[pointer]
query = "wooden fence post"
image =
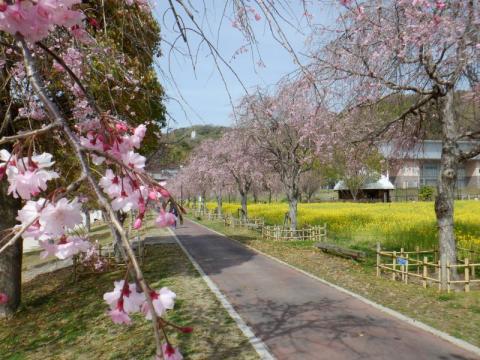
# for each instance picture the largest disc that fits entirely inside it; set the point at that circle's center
(417, 250)
(439, 275)
(467, 275)
(425, 272)
(406, 268)
(402, 267)
(394, 266)
(443, 272)
(378, 259)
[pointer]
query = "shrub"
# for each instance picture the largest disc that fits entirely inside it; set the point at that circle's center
(425, 193)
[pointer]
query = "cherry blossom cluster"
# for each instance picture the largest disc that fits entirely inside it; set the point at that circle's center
(27, 176)
(91, 257)
(35, 19)
(127, 187)
(47, 221)
(126, 299)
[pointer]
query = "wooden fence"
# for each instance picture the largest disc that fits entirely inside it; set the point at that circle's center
(315, 233)
(425, 267)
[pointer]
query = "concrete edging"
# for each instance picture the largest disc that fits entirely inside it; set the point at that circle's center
(443, 335)
(259, 346)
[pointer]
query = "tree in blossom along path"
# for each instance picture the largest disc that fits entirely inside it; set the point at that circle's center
(92, 137)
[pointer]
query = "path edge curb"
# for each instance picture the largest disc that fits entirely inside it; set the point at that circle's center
(259, 346)
(417, 323)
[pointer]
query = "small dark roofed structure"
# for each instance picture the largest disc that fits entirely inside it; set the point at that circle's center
(378, 191)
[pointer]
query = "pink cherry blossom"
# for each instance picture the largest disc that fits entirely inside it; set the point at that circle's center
(111, 183)
(138, 135)
(165, 219)
(3, 298)
(60, 217)
(137, 224)
(131, 297)
(24, 184)
(35, 20)
(134, 160)
(170, 353)
(27, 176)
(162, 300)
(49, 248)
(119, 316)
(126, 202)
(72, 246)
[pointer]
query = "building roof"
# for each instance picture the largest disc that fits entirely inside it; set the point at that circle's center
(381, 184)
(426, 150)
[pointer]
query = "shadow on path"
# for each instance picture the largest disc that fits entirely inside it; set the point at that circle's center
(300, 318)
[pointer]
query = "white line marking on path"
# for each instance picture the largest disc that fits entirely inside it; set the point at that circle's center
(443, 335)
(259, 346)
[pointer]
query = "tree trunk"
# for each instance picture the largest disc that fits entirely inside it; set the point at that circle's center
(269, 196)
(354, 195)
(11, 258)
(243, 196)
(444, 202)
(219, 204)
(292, 210)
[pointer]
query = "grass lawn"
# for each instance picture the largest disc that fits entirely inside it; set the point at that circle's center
(62, 320)
(455, 313)
(361, 225)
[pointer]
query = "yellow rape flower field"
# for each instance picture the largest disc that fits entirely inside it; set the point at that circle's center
(361, 225)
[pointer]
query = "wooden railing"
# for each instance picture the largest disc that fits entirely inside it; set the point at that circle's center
(424, 266)
(314, 233)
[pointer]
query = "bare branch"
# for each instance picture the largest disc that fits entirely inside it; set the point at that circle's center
(24, 135)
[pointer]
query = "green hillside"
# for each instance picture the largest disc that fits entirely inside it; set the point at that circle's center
(176, 145)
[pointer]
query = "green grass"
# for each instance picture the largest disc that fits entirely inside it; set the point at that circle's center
(62, 320)
(361, 225)
(455, 313)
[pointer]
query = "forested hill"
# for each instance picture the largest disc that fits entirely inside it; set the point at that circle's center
(176, 145)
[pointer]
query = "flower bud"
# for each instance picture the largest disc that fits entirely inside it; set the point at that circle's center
(138, 224)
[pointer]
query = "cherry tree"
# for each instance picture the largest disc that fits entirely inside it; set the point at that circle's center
(310, 183)
(202, 174)
(289, 130)
(237, 157)
(428, 49)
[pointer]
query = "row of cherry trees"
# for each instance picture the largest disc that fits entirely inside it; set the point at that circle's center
(283, 142)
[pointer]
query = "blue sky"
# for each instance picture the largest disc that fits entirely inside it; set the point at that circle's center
(205, 98)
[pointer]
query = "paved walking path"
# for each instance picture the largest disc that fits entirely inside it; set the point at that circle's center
(298, 317)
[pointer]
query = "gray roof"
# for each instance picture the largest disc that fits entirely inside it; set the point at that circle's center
(427, 150)
(381, 184)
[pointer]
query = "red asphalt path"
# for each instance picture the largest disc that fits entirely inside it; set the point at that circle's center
(298, 317)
